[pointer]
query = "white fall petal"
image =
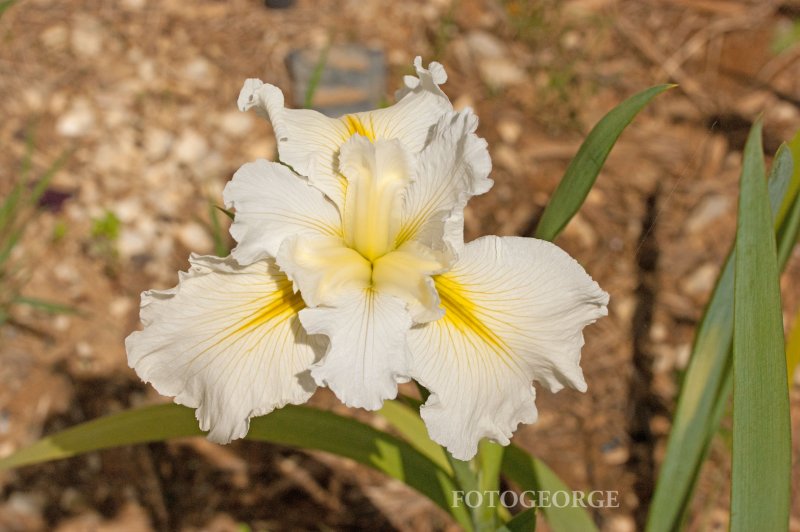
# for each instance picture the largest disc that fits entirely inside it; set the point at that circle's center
(515, 309)
(368, 355)
(309, 141)
(227, 341)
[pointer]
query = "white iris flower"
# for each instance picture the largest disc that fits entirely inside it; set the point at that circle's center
(351, 272)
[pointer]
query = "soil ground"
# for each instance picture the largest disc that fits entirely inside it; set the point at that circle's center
(142, 94)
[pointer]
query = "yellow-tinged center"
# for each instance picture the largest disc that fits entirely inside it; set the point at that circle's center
(368, 254)
(377, 175)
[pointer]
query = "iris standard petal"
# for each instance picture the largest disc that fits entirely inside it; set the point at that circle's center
(226, 341)
(309, 141)
(452, 168)
(420, 103)
(515, 309)
(273, 203)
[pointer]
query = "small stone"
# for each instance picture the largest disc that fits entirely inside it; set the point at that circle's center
(701, 281)
(61, 323)
(615, 454)
(133, 5)
(128, 210)
(236, 123)
(658, 333)
(77, 121)
(26, 503)
(120, 307)
(84, 350)
(509, 131)
(195, 237)
(157, 143)
(55, 37)
(508, 158)
(198, 71)
(485, 45)
(620, 523)
(581, 230)
(131, 243)
(660, 425)
(66, 273)
(87, 36)
(706, 212)
(191, 147)
(500, 72)
(623, 307)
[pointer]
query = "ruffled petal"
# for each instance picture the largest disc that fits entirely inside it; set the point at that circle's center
(308, 141)
(273, 203)
(515, 309)
(420, 103)
(367, 355)
(452, 168)
(227, 341)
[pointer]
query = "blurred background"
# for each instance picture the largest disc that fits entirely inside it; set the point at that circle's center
(124, 114)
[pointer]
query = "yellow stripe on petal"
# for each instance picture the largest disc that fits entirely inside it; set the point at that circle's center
(282, 305)
(355, 126)
(464, 315)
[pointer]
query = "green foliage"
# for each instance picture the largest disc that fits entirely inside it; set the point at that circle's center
(221, 248)
(708, 380)
(316, 77)
(532, 474)
(786, 37)
(295, 426)
(5, 4)
(16, 212)
(761, 483)
(106, 227)
(584, 168)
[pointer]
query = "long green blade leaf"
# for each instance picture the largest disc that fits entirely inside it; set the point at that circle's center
(409, 424)
(532, 474)
(584, 168)
(761, 484)
(708, 380)
(522, 522)
(298, 426)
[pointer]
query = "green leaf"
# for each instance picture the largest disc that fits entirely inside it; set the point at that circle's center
(524, 521)
(225, 211)
(46, 306)
(761, 476)
(296, 426)
(405, 418)
(584, 168)
(407, 421)
(489, 461)
(217, 234)
(708, 380)
(5, 4)
(532, 474)
(316, 77)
